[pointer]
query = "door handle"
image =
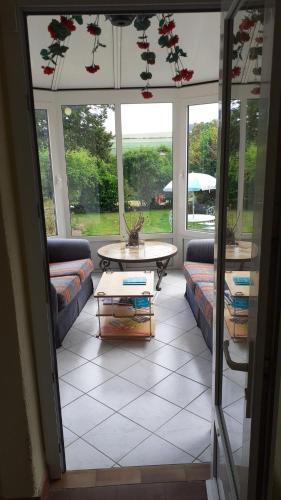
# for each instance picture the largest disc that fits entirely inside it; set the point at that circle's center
(233, 365)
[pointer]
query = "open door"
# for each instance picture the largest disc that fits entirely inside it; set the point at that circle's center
(247, 251)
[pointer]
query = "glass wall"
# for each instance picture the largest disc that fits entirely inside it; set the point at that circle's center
(148, 165)
(47, 183)
(91, 167)
(202, 137)
(252, 118)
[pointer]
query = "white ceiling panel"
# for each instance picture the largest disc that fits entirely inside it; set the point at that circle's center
(120, 62)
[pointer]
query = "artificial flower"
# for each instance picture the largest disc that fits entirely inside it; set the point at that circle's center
(259, 39)
(143, 45)
(256, 91)
(236, 71)
(147, 94)
(167, 28)
(246, 24)
(67, 23)
(48, 70)
(173, 41)
(93, 68)
(52, 31)
(186, 74)
(94, 29)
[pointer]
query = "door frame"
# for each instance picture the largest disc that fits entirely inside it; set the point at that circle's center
(266, 364)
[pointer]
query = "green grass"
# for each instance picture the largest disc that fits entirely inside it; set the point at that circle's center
(156, 221)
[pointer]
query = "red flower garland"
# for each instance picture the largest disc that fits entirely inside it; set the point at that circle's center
(142, 23)
(95, 30)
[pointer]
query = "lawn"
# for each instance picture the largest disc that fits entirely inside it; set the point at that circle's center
(156, 221)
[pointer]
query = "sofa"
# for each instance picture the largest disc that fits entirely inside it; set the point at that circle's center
(199, 275)
(70, 268)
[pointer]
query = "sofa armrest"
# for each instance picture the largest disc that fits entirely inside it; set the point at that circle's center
(200, 251)
(63, 249)
(54, 304)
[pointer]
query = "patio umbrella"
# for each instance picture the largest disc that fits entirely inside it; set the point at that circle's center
(196, 182)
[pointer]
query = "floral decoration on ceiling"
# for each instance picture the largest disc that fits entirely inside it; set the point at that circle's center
(61, 30)
(250, 31)
(169, 40)
(142, 23)
(95, 30)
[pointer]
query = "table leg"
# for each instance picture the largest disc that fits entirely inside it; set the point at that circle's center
(161, 271)
(104, 264)
(120, 266)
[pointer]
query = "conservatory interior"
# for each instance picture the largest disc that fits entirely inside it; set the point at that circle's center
(126, 113)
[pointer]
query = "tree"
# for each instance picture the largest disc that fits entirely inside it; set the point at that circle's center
(84, 128)
(202, 148)
(146, 172)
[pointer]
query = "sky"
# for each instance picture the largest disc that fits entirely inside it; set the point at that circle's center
(156, 117)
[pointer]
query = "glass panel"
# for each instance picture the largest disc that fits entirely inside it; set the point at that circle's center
(250, 164)
(91, 167)
(241, 263)
(201, 166)
(148, 165)
(47, 183)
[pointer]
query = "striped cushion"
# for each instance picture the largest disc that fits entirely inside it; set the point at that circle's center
(66, 288)
(81, 268)
(204, 296)
(196, 272)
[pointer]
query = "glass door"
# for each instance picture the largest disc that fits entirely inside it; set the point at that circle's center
(240, 250)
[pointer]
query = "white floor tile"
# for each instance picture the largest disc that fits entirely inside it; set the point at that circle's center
(184, 320)
(206, 355)
(237, 410)
(188, 432)
(67, 361)
(80, 455)
(68, 393)
(167, 333)
(198, 369)
(238, 378)
(116, 437)
(161, 314)
(91, 348)
(175, 305)
(89, 325)
(87, 377)
(202, 406)
(68, 437)
(142, 347)
(116, 360)
(73, 337)
(155, 451)
(235, 432)
(91, 307)
(145, 374)
(191, 341)
(150, 411)
(170, 357)
(178, 389)
(83, 414)
(206, 456)
(116, 393)
(83, 316)
(231, 392)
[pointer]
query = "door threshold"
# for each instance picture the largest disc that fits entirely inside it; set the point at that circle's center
(91, 478)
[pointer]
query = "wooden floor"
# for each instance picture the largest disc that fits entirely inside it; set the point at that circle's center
(193, 490)
(174, 482)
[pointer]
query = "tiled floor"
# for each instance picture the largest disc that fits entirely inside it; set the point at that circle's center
(133, 402)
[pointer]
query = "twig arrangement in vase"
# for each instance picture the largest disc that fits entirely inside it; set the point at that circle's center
(133, 228)
(230, 232)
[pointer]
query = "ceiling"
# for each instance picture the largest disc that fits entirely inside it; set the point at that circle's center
(120, 62)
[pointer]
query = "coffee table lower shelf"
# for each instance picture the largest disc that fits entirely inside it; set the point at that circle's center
(124, 328)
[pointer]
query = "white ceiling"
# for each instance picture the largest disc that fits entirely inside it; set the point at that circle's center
(120, 62)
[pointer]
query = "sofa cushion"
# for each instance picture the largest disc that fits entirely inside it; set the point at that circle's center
(204, 296)
(198, 272)
(81, 268)
(66, 287)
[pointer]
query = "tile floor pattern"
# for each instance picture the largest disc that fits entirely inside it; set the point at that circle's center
(138, 402)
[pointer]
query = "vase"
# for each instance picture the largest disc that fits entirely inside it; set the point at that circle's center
(133, 240)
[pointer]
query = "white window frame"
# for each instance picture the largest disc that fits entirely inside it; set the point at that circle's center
(180, 100)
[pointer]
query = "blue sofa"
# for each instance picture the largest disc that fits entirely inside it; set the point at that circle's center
(70, 267)
(199, 275)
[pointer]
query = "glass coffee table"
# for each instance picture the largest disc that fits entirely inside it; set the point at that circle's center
(149, 251)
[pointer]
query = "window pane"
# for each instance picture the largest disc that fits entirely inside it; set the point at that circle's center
(233, 215)
(46, 173)
(250, 164)
(201, 166)
(147, 164)
(90, 152)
